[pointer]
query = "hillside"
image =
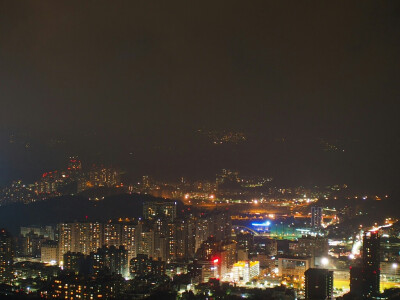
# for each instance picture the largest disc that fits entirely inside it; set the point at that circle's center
(72, 208)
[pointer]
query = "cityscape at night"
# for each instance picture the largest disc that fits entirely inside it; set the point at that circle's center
(199, 150)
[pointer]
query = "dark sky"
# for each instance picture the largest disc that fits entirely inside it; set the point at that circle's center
(112, 77)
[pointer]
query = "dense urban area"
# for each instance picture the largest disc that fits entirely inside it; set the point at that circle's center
(199, 150)
(231, 238)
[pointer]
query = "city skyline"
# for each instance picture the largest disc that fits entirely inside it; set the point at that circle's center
(196, 150)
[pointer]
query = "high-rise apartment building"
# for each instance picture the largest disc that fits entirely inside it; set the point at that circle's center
(227, 257)
(316, 217)
(82, 237)
(371, 263)
(6, 256)
(318, 284)
(111, 259)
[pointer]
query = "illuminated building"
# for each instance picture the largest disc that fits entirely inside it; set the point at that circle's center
(310, 246)
(143, 265)
(101, 176)
(49, 252)
(111, 259)
(85, 237)
(254, 269)
(6, 256)
(65, 240)
(145, 243)
(171, 241)
(112, 234)
(153, 210)
(97, 176)
(244, 271)
(209, 270)
(161, 234)
(48, 185)
(318, 284)
(30, 244)
(371, 263)
(128, 239)
(293, 268)
(74, 261)
(85, 288)
(96, 239)
(17, 192)
(208, 249)
(227, 257)
(45, 231)
(316, 217)
(202, 231)
(185, 238)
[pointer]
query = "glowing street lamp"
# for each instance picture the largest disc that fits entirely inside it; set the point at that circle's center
(324, 261)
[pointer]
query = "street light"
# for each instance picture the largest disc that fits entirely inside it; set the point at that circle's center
(324, 261)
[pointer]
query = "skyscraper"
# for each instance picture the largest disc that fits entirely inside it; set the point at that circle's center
(227, 257)
(316, 217)
(318, 284)
(356, 280)
(84, 237)
(128, 239)
(111, 259)
(371, 264)
(6, 256)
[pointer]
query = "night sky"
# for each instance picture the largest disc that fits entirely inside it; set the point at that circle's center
(103, 79)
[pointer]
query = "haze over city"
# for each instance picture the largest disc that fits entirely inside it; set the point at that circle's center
(103, 82)
(182, 150)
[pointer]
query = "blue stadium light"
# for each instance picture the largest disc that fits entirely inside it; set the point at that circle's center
(266, 223)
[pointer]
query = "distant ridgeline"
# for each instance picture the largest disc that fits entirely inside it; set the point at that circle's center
(74, 208)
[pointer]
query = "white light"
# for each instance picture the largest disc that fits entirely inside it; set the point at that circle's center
(395, 266)
(324, 261)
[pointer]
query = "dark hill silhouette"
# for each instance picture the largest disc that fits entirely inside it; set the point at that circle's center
(100, 192)
(73, 208)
